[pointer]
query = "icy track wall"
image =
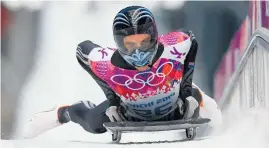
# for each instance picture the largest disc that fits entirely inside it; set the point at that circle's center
(245, 101)
(242, 79)
(248, 86)
(241, 83)
(258, 16)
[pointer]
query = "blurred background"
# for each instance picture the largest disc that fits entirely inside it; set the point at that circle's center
(39, 39)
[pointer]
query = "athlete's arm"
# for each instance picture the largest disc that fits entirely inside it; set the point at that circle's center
(189, 63)
(83, 50)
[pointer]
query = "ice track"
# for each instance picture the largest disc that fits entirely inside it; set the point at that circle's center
(58, 79)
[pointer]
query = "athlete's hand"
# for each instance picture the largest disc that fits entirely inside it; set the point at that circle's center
(113, 114)
(190, 105)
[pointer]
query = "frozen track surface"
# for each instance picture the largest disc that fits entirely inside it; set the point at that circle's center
(59, 79)
(249, 129)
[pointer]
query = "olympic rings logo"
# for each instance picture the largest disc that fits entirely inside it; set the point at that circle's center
(143, 83)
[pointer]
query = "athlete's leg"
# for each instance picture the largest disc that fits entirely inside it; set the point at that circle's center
(84, 113)
(90, 117)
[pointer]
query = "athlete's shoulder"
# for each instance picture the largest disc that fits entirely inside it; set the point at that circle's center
(176, 45)
(87, 46)
(173, 38)
(95, 52)
(101, 54)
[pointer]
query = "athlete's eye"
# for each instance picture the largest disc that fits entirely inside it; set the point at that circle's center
(130, 45)
(145, 43)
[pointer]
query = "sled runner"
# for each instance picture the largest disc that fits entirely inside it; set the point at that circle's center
(190, 125)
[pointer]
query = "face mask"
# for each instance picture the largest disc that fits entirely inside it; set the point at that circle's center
(139, 58)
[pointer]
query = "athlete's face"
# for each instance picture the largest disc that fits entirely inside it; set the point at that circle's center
(137, 41)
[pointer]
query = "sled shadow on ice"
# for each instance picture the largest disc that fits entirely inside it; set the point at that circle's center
(143, 142)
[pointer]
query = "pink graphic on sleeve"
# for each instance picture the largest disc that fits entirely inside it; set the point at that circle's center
(103, 52)
(177, 53)
(173, 38)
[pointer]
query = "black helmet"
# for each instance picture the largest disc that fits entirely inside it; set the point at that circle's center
(134, 20)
